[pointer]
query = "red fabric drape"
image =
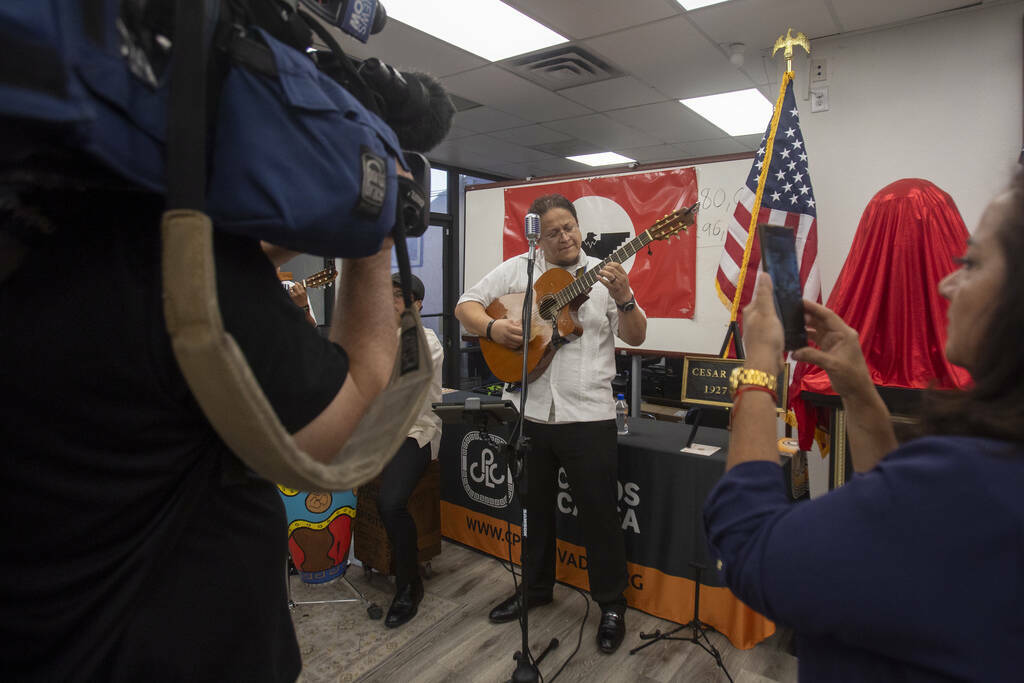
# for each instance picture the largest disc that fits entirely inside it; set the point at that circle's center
(905, 244)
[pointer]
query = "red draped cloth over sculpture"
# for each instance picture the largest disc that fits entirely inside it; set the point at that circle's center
(905, 244)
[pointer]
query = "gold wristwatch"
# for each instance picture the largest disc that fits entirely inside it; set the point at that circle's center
(741, 375)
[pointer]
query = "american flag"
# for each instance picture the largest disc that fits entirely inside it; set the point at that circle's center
(785, 198)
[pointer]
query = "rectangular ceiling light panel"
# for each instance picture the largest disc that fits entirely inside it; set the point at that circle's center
(601, 159)
(741, 112)
(487, 28)
(692, 4)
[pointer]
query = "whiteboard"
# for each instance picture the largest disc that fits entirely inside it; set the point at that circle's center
(718, 185)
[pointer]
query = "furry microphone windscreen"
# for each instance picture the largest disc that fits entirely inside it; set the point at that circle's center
(425, 127)
(415, 104)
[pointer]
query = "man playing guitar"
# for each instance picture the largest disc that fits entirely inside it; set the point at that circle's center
(571, 413)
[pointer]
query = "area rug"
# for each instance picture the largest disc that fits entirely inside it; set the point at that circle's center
(339, 642)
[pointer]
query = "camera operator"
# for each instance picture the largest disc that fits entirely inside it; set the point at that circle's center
(135, 542)
(137, 545)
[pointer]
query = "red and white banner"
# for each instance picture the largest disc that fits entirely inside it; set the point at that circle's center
(614, 209)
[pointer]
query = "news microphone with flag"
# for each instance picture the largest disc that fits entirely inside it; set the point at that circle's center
(532, 228)
(357, 18)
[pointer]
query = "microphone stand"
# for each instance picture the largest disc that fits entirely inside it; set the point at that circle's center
(526, 667)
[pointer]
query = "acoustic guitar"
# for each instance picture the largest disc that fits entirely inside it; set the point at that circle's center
(556, 300)
(321, 278)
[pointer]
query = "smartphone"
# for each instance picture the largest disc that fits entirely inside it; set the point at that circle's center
(778, 259)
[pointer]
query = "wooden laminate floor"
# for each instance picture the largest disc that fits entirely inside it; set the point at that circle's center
(465, 646)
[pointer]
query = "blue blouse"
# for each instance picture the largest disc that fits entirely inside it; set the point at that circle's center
(913, 571)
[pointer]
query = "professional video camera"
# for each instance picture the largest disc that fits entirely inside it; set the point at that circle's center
(226, 110)
(413, 104)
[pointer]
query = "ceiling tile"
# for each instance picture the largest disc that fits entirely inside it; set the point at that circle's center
(456, 132)
(586, 18)
(649, 155)
(750, 142)
(570, 148)
(500, 151)
(615, 93)
(530, 135)
(869, 13)
(707, 148)
(502, 90)
(603, 131)
(757, 24)
(404, 47)
(485, 119)
(673, 57)
(668, 122)
(541, 169)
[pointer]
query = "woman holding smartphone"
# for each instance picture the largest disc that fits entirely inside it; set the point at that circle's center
(914, 570)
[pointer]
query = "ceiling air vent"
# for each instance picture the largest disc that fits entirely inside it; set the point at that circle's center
(562, 67)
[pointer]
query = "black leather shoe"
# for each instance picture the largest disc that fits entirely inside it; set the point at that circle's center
(508, 609)
(611, 631)
(404, 606)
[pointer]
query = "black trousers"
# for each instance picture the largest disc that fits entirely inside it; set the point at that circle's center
(589, 453)
(397, 482)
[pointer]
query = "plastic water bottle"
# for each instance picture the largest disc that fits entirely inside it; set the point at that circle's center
(621, 414)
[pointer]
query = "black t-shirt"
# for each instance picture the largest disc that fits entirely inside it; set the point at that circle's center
(135, 545)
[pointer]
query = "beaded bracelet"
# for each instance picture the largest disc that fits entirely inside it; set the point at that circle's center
(749, 387)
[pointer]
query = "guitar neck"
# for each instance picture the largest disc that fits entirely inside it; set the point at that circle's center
(585, 282)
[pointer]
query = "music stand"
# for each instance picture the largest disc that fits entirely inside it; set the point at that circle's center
(698, 629)
(476, 412)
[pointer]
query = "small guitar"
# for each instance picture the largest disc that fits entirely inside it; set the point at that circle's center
(557, 298)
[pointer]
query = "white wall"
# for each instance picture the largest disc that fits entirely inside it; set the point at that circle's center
(938, 99)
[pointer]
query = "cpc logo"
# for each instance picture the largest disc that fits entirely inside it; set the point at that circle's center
(484, 478)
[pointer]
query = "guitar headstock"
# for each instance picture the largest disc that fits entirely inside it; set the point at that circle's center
(680, 219)
(321, 279)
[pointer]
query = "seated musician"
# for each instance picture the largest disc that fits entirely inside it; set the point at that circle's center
(570, 413)
(401, 475)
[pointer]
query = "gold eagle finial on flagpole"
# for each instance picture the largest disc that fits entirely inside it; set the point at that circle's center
(788, 41)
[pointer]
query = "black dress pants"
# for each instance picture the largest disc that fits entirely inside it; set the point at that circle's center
(397, 482)
(589, 453)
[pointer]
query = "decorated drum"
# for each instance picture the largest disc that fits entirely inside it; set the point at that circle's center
(319, 531)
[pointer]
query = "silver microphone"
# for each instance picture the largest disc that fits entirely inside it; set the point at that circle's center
(532, 228)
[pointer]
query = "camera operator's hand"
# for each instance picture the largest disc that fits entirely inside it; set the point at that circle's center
(508, 333)
(763, 339)
(363, 324)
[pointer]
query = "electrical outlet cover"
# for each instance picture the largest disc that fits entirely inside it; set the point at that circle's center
(819, 99)
(819, 69)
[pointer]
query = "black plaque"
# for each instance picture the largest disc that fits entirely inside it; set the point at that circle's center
(706, 381)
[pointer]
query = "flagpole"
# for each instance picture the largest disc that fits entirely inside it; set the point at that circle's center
(769, 145)
(788, 42)
(733, 331)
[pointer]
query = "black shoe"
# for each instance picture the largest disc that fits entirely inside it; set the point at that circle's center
(404, 606)
(508, 609)
(611, 631)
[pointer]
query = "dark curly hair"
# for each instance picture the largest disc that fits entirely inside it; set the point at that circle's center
(994, 405)
(542, 205)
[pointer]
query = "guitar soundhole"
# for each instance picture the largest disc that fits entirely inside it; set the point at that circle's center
(546, 308)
